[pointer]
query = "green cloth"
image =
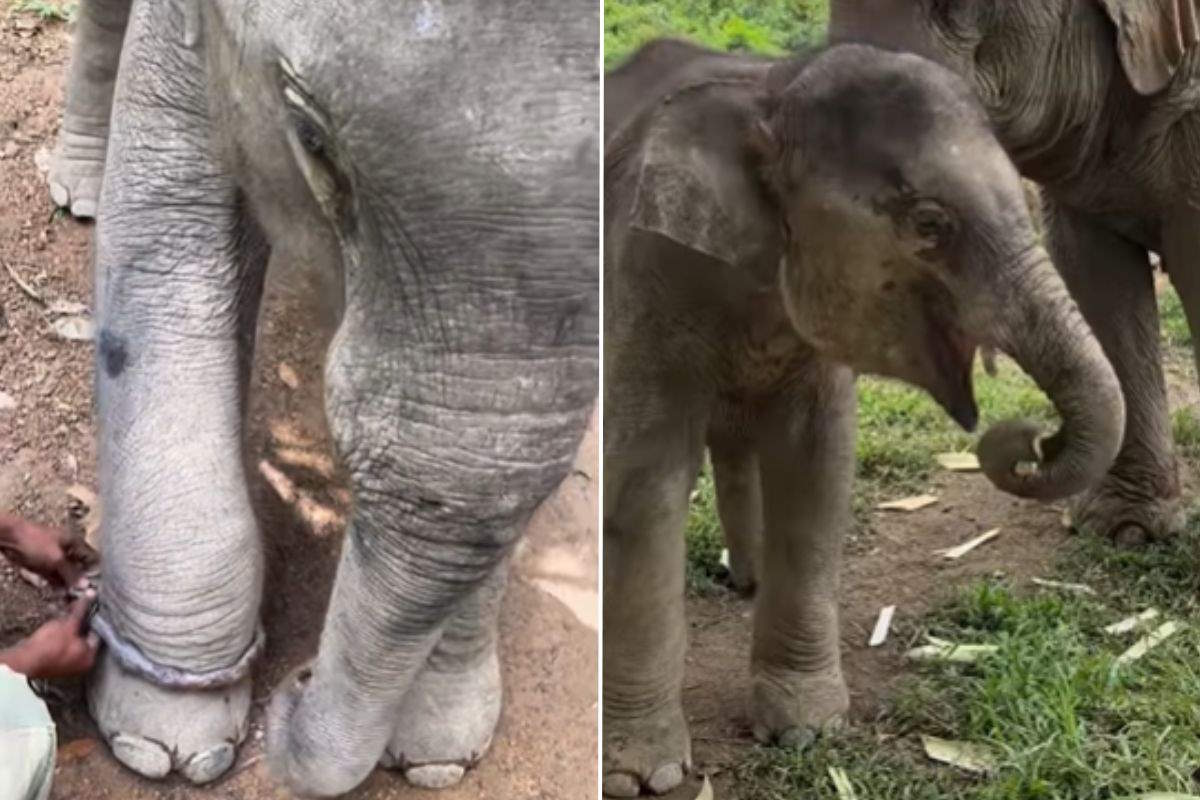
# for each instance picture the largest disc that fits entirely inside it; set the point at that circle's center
(27, 740)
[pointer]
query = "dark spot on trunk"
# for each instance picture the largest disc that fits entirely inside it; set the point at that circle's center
(113, 354)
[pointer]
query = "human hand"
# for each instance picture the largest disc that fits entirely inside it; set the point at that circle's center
(49, 552)
(59, 648)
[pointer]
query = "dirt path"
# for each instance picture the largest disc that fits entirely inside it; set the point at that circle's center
(546, 745)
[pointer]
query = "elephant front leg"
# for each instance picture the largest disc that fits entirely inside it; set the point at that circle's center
(646, 744)
(806, 455)
(448, 456)
(1111, 280)
(178, 278)
(77, 167)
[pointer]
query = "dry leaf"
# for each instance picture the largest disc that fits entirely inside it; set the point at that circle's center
(319, 463)
(32, 578)
(942, 650)
(964, 755)
(322, 520)
(841, 783)
(958, 462)
(82, 494)
(65, 308)
(75, 750)
(288, 375)
(1066, 587)
(73, 329)
(967, 546)
(285, 433)
(1153, 639)
(882, 625)
(706, 790)
(1129, 623)
(914, 503)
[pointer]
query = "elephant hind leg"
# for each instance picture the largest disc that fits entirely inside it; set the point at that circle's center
(739, 505)
(77, 168)
(1111, 280)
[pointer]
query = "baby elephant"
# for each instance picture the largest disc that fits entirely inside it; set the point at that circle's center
(771, 228)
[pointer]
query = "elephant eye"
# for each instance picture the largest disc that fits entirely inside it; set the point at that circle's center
(932, 222)
(310, 136)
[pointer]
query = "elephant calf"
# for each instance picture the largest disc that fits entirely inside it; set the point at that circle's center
(771, 228)
(437, 162)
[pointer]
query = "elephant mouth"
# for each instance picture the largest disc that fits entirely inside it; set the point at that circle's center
(953, 355)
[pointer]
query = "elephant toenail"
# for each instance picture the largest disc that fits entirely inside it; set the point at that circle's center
(209, 765)
(665, 778)
(1130, 536)
(621, 784)
(797, 738)
(141, 755)
(435, 776)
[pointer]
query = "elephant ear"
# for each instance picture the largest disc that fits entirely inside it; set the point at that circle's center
(700, 181)
(1152, 38)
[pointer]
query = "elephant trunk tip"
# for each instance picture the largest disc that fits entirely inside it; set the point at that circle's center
(1018, 457)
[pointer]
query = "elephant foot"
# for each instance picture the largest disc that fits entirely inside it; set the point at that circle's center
(155, 731)
(77, 171)
(646, 755)
(742, 574)
(446, 722)
(790, 709)
(1128, 518)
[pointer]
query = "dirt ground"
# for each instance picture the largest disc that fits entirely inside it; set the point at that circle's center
(546, 745)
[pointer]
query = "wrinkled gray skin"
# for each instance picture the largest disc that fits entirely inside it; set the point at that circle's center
(437, 161)
(772, 227)
(1097, 101)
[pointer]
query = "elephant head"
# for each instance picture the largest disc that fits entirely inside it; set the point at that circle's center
(1042, 69)
(905, 237)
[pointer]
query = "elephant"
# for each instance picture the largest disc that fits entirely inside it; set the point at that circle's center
(773, 227)
(1096, 101)
(437, 165)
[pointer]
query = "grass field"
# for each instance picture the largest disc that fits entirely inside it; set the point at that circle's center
(1055, 712)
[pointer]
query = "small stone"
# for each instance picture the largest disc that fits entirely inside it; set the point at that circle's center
(7, 402)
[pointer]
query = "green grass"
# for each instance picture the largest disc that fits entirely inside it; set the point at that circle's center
(1061, 718)
(48, 9)
(771, 27)
(1173, 323)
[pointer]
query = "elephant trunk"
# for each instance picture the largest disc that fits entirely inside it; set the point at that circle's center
(1045, 333)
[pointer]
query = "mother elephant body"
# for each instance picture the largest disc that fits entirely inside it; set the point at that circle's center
(1096, 100)
(438, 160)
(769, 227)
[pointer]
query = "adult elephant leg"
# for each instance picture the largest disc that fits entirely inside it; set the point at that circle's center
(448, 454)
(739, 505)
(646, 744)
(178, 279)
(1111, 280)
(806, 454)
(447, 718)
(1181, 259)
(77, 167)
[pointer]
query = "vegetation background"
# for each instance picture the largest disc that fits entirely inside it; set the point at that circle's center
(771, 27)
